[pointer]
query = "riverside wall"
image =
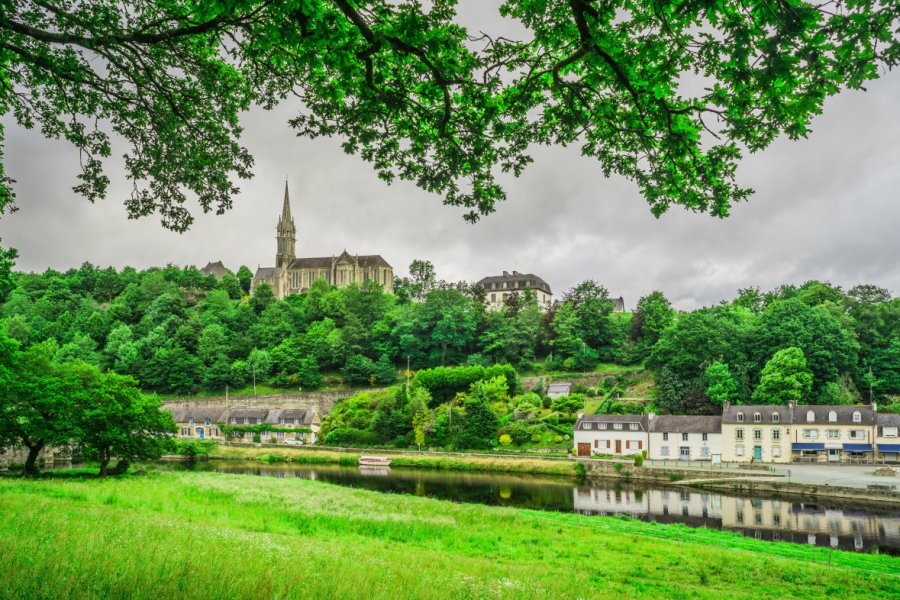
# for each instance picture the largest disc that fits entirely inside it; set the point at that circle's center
(322, 402)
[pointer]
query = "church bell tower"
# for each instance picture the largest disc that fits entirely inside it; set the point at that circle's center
(286, 234)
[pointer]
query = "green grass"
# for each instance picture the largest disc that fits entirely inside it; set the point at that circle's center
(204, 535)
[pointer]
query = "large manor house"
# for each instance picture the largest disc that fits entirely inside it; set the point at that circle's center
(292, 275)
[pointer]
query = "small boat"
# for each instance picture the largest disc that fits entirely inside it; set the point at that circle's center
(374, 461)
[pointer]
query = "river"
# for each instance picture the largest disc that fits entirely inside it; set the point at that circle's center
(821, 523)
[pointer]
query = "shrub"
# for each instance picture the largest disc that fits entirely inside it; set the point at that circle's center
(256, 438)
(536, 437)
(505, 440)
(359, 370)
(579, 388)
(618, 467)
(546, 401)
(519, 432)
(348, 436)
(638, 460)
(557, 438)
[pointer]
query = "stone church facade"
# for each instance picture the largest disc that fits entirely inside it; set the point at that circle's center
(292, 275)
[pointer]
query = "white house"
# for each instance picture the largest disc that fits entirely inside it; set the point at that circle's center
(557, 390)
(684, 437)
(615, 435)
(887, 438)
(500, 287)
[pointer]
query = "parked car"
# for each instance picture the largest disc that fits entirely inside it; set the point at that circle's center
(293, 442)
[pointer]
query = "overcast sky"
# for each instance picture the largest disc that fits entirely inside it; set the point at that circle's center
(825, 208)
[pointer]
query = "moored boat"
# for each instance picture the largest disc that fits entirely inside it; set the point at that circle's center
(374, 461)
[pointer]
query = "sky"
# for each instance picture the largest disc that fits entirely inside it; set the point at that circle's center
(825, 207)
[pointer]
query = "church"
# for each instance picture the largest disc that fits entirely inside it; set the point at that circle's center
(292, 275)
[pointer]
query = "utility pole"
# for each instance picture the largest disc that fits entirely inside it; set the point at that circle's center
(253, 366)
(407, 372)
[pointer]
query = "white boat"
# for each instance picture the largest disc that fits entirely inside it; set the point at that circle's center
(374, 461)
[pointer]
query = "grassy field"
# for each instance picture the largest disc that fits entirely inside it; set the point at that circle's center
(428, 461)
(203, 535)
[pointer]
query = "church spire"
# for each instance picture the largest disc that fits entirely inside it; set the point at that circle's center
(286, 209)
(286, 233)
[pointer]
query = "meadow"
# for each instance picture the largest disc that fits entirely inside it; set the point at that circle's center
(207, 535)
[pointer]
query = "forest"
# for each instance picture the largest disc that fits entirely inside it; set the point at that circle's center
(179, 332)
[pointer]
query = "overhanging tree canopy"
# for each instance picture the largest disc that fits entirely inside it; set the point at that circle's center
(665, 93)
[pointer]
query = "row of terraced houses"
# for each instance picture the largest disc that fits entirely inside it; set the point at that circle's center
(271, 424)
(747, 433)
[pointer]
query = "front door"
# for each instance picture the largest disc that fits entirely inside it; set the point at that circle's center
(834, 455)
(685, 453)
(200, 432)
(757, 452)
(618, 446)
(584, 449)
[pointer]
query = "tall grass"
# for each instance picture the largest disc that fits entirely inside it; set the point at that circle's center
(204, 535)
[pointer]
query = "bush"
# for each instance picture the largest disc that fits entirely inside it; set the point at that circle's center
(568, 404)
(618, 467)
(348, 436)
(557, 438)
(445, 382)
(638, 460)
(359, 370)
(536, 438)
(519, 432)
(257, 438)
(580, 388)
(505, 440)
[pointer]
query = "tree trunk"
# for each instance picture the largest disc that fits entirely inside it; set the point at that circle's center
(34, 449)
(104, 463)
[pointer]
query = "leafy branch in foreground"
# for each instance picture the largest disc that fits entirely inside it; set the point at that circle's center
(666, 94)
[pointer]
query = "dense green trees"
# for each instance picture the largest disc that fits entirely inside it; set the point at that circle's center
(784, 379)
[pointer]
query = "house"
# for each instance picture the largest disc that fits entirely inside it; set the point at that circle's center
(198, 423)
(833, 433)
(887, 438)
(558, 390)
(301, 419)
(754, 433)
(616, 435)
(498, 288)
(216, 269)
(684, 437)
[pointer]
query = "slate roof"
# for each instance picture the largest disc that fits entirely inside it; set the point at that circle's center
(511, 279)
(618, 304)
(304, 415)
(559, 387)
(640, 419)
(888, 419)
(843, 412)
(730, 412)
(200, 414)
(324, 262)
(268, 273)
(686, 424)
(252, 413)
(216, 269)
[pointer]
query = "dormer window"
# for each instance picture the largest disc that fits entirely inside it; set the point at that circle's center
(740, 417)
(832, 417)
(810, 416)
(857, 417)
(207, 420)
(757, 418)
(776, 418)
(587, 425)
(192, 421)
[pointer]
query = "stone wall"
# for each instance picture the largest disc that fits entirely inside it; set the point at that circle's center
(322, 402)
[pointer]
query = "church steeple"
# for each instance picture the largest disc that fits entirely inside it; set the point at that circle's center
(286, 233)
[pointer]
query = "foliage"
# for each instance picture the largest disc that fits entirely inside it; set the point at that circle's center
(480, 424)
(785, 378)
(638, 460)
(568, 404)
(505, 440)
(721, 386)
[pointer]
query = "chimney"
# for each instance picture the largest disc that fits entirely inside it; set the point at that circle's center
(506, 273)
(515, 272)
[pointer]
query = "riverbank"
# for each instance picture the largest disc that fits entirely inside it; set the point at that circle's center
(449, 462)
(202, 535)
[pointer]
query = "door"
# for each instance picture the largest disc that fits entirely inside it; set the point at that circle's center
(584, 449)
(200, 432)
(685, 453)
(618, 446)
(834, 455)
(757, 452)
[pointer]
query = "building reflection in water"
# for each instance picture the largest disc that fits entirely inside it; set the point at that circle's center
(766, 519)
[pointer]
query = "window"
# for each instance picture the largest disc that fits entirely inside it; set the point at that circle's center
(279, 434)
(191, 422)
(776, 417)
(832, 416)
(740, 516)
(739, 450)
(207, 421)
(810, 416)
(757, 518)
(776, 520)
(776, 434)
(740, 417)
(811, 434)
(586, 425)
(705, 437)
(684, 437)
(776, 451)
(185, 431)
(601, 425)
(857, 417)
(834, 434)
(857, 434)
(232, 420)
(889, 431)
(617, 426)
(757, 434)
(634, 426)
(664, 451)
(739, 434)
(704, 452)
(665, 436)
(757, 418)
(214, 431)
(265, 434)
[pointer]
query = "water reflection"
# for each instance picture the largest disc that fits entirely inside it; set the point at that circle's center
(821, 523)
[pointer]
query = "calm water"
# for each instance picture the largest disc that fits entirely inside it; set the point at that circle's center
(821, 523)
